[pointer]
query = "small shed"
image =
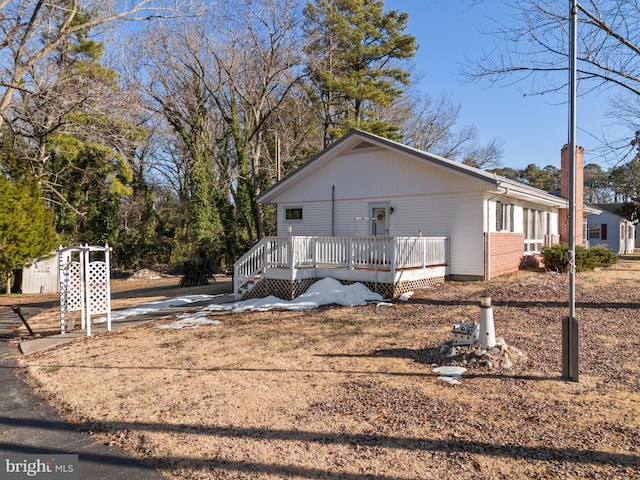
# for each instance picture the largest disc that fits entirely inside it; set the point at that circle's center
(41, 276)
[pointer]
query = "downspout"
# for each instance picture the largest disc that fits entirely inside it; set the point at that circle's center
(498, 194)
(333, 210)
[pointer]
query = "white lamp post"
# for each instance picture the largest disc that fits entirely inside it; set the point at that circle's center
(487, 332)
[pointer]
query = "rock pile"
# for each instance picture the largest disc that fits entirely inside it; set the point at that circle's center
(145, 274)
(502, 356)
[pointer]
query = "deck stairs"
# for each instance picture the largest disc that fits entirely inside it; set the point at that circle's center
(248, 286)
(631, 256)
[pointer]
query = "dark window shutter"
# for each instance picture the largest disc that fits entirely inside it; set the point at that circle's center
(603, 231)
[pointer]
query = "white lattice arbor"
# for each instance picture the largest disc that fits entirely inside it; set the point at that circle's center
(84, 283)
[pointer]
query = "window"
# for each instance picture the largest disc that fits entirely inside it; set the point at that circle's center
(293, 214)
(533, 228)
(597, 232)
(504, 217)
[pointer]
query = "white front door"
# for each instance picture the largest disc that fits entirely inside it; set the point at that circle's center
(379, 224)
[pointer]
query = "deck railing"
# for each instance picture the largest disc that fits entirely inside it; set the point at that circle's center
(351, 253)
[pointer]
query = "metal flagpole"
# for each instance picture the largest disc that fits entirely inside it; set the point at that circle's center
(570, 324)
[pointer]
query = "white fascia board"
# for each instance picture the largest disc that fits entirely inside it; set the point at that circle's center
(533, 195)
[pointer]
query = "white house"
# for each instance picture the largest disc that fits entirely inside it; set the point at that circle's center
(611, 230)
(396, 218)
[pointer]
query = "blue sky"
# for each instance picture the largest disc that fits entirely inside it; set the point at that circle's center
(533, 129)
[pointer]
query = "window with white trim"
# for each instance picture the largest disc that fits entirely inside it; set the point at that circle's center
(598, 231)
(504, 217)
(293, 214)
(533, 226)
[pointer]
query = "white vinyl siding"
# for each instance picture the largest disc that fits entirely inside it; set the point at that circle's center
(458, 217)
(376, 173)
(316, 219)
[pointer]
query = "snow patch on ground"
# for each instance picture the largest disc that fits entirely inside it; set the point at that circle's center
(405, 296)
(151, 307)
(450, 374)
(324, 292)
(188, 322)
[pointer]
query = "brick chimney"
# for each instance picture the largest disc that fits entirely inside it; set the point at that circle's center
(564, 193)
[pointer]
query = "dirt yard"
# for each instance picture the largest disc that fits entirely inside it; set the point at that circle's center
(349, 393)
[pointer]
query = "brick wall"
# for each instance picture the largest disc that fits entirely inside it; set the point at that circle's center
(506, 253)
(563, 214)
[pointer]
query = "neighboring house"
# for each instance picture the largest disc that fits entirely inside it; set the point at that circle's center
(365, 207)
(611, 230)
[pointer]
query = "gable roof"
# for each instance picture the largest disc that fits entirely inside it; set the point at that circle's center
(614, 209)
(356, 139)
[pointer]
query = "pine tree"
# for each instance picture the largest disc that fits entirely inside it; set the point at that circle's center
(27, 231)
(355, 49)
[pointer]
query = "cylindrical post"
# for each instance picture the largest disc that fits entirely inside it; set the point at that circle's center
(570, 333)
(107, 286)
(85, 287)
(487, 332)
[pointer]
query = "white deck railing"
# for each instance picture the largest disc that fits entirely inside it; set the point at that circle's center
(392, 253)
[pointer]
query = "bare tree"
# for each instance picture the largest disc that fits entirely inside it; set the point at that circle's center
(432, 125)
(31, 30)
(536, 46)
(534, 54)
(258, 64)
(224, 81)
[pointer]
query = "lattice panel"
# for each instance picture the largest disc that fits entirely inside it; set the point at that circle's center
(288, 290)
(71, 293)
(403, 287)
(97, 287)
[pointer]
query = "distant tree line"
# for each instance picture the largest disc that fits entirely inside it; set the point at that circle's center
(619, 184)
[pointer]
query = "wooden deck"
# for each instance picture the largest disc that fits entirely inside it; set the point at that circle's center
(392, 262)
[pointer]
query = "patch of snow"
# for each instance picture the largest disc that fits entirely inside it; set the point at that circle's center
(384, 304)
(450, 374)
(145, 274)
(405, 296)
(450, 371)
(450, 380)
(324, 292)
(154, 306)
(188, 322)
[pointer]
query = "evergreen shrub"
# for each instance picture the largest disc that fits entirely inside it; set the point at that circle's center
(198, 271)
(586, 258)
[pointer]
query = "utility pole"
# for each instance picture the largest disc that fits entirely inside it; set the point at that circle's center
(570, 323)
